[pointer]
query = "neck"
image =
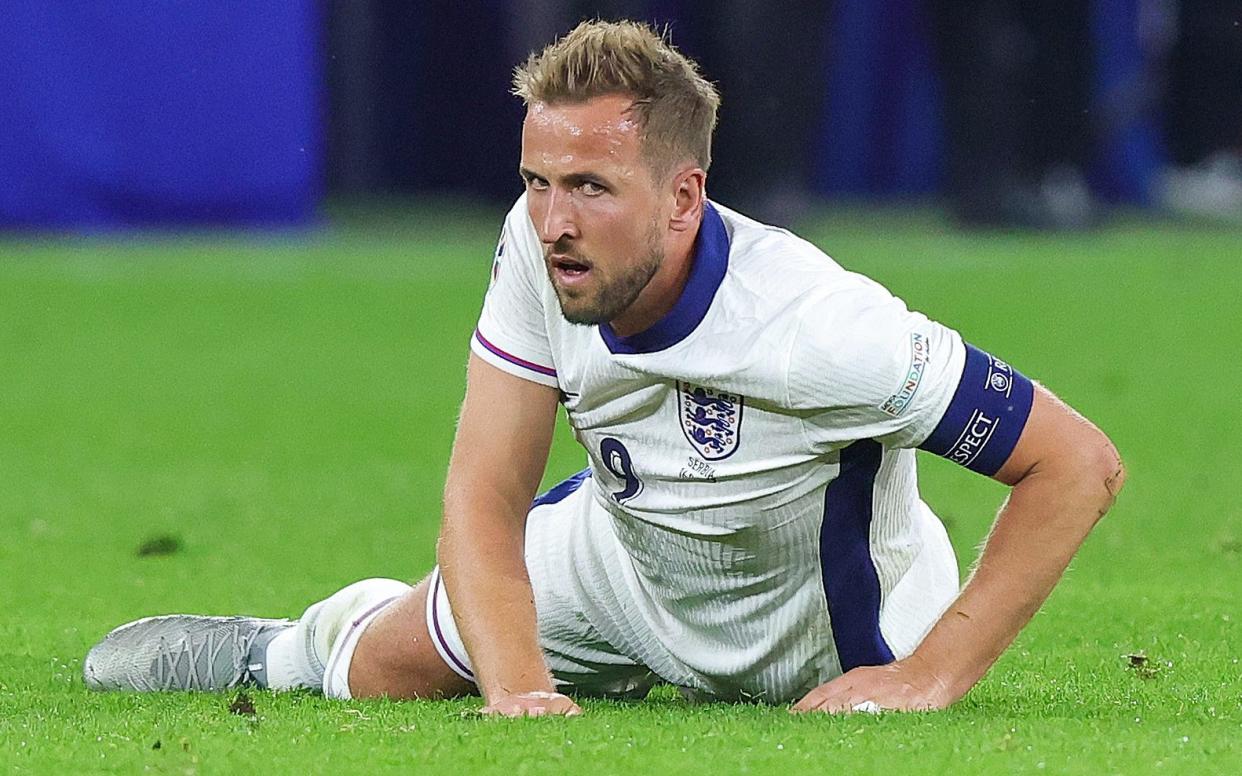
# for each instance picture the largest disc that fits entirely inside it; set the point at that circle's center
(661, 293)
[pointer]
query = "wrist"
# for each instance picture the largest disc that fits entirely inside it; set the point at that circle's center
(504, 687)
(954, 678)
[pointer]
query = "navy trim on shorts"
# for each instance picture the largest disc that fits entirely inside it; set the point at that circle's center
(561, 491)
(438, 632)
(851, 584)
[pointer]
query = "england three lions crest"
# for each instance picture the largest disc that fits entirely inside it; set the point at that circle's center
(710, 419)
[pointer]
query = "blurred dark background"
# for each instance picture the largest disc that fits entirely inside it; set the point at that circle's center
(1037, 114)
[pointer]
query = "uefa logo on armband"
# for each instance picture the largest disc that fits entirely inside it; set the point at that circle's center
(1000, 376)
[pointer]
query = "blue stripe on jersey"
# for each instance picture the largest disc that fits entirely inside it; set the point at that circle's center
(512, 359)
(986, 415)
(850, 581)
(562, 490)
(711, 261)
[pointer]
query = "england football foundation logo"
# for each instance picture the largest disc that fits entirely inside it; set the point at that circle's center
(898, 402)
(710, 419)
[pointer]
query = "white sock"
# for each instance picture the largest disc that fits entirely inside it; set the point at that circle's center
(327, 634)
(287, 665)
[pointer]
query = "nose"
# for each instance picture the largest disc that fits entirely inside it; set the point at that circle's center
(557, 217)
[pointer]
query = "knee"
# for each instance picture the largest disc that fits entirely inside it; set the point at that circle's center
(330, 617)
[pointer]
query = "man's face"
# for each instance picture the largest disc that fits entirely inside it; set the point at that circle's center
(594, 205)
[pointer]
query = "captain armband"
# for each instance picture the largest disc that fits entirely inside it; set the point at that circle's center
(986, 415)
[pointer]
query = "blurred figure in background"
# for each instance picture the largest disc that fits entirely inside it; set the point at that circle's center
(767, 59)
(1017, 87)
(1203, 120)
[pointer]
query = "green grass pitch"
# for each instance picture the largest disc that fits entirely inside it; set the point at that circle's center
(280, 410)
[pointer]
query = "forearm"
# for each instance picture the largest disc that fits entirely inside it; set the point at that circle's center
(1046, 518)
(498, 458)
(482, 560)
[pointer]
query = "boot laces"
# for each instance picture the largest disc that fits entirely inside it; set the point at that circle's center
(180, 664)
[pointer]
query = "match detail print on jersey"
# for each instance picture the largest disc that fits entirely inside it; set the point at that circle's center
(986, 415)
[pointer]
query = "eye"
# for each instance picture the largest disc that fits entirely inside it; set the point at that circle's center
(592, 189)
(536, 183)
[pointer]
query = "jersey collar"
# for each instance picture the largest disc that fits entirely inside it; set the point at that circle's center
(711, 260)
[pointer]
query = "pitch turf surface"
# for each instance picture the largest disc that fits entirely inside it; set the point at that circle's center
(274, 415)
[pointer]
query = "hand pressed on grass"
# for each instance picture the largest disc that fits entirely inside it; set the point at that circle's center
(904, 685)
(532, 704)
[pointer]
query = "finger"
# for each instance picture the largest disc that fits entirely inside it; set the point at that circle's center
(834, 705)
(817, 701)
(825, 693)
(837, 700)
(563, 704)
(507, 707)
(566, 707)
(814, 698)
(514, 710)
(532, 705)
(499, 710)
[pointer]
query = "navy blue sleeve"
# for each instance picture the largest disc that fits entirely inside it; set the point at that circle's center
(985, 416)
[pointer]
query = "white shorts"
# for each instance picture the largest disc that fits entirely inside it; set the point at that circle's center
(598, 641)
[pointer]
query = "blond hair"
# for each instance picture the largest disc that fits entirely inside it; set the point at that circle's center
(674, 105)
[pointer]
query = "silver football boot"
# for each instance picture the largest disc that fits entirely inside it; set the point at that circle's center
(182, 652)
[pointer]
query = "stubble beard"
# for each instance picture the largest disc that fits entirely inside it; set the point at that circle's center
(610, 297)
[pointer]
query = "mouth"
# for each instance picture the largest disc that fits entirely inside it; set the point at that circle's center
(568, 270)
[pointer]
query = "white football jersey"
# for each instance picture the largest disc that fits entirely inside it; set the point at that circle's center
(754, 448)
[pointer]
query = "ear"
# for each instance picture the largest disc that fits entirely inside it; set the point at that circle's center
(689, 196)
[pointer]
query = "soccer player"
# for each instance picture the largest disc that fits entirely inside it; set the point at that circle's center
(749, 525)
